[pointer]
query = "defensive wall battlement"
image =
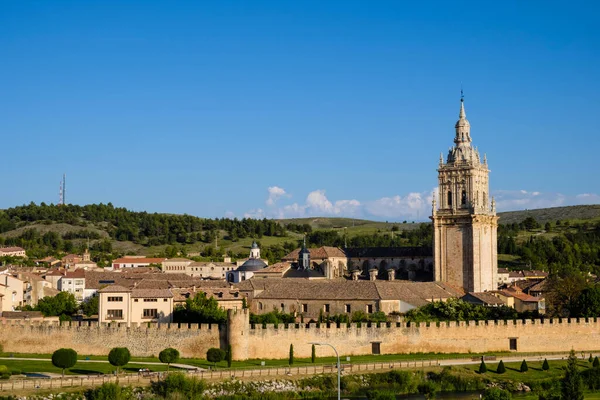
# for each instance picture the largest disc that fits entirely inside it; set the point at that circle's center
(273, 341)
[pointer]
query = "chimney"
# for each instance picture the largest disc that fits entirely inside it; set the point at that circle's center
(391, 274)
(373, 274)
(355, 274)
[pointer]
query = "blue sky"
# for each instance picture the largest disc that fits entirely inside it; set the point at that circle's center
(271, 108)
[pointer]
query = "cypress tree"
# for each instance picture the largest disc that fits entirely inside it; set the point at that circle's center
(596, 363)
(291, 361)
(545, 365)
(501, 369)
(591, 359)
(313, 354)
(229, 356)
(482, 367)
(571, 384)
(524, 367)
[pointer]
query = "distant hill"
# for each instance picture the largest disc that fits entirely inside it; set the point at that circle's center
(543, 215)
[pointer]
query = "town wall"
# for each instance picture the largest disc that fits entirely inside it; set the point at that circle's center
(255, 342)
(191, 340)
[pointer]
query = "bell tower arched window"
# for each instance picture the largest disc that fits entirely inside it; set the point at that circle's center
(449, 198)
(463, 198)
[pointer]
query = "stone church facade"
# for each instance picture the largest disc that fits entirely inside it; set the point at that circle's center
(465, 224)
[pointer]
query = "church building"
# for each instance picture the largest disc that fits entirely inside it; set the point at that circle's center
(465, 224)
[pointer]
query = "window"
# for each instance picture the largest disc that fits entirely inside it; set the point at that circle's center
(282, 307)
(114, 314)
(260, 306)
(326, 308)
(150, 300)
(512, 344)
(304, 307)
(348, 308)
(370, 308)
(115, 298)
(449, 198)
(150, 312)
(463, 198)
(79, 282)
(135, 300)
(165, 300)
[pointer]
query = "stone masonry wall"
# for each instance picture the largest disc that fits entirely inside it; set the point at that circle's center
(274, 342)
(463, 337)
(95, 339)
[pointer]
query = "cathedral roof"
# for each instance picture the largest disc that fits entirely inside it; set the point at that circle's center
(253, 264)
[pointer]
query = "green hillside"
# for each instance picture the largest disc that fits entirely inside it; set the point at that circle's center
(543, 215)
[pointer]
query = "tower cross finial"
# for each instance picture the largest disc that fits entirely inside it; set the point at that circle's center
(462, 93)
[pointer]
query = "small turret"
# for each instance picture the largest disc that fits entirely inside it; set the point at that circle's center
(304, 257)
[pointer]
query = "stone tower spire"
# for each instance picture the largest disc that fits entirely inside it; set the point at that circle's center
(465, 225)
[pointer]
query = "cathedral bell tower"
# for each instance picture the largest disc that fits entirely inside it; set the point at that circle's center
(465, 224)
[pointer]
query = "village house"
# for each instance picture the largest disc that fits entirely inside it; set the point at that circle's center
(135, 262)
(135, 306)
(11, 290)
(35, 288)
(227, 299)
(12, 252)
(74, 283)
(312, 298)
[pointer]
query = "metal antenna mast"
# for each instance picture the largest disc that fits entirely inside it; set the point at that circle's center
(62, 190)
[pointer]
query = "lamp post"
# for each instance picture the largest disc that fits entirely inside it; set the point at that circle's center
(338, 364)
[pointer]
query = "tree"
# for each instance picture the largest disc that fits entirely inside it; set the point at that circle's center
(548, 227)
(501, 368)
(64, 358)
(596, 362)
(313, 354)
(215, 355)
(200, 309)
(590, 358)
(168, 356)
(571, 384)
(482, 367)
(90, 306)
(494, 393)
(291, 359)
(229, 356)
(63, 303)
(119, 356)
(524, 367)
(545, 365)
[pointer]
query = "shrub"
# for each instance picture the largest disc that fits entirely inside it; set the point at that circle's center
(64, 358)
(524, 367)
(4, 372)
(119, 356)
(545, 365)
(428, 389)
(179, 383)
(110, 391)
(496, 394)
(380, 395)
(215, 355)
(501, 369)
(482, 367)
(168, 356)
(15, 371)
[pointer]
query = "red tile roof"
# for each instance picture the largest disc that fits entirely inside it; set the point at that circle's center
(140, 260)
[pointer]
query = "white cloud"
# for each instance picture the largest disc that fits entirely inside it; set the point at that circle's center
(414, 206)
(275, 193)
(257, 213)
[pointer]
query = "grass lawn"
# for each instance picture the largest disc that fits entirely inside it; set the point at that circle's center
(81, 368)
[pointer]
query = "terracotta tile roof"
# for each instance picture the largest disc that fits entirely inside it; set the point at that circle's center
(521, 296)
(11, 249)
(317, 253)
(415, 293)
(178, 259)
(539, 287)
(56, 272)
(516, 274)
(278, 268)
(114, 289)
(534, 273)
(151, 293)
(78, 273)
(215, 263)
(503, 270)
(487, 298)
(135, 260)
(180, 295)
